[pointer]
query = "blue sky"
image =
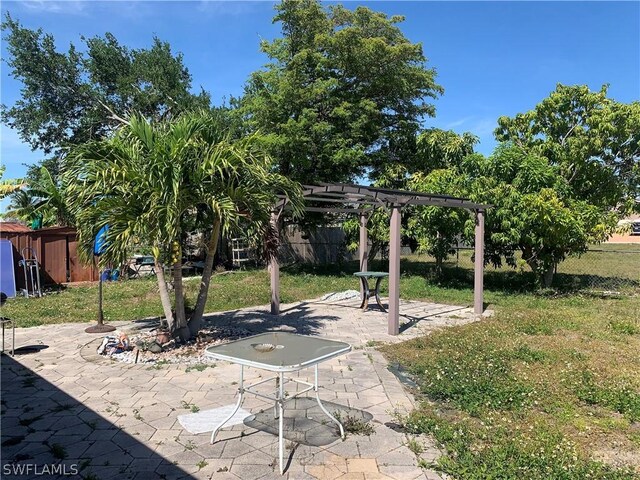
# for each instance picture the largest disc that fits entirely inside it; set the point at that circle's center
(492, 58)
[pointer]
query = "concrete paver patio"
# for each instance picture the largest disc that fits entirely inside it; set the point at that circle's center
(65, 406)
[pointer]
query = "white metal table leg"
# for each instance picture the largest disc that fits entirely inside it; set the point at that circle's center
(315, 389)
(275, 404)
(240, 396)
(281, 421)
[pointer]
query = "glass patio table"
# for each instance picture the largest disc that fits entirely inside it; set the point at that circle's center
(278, 352)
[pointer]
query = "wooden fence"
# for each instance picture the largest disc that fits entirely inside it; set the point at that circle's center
(57, 251)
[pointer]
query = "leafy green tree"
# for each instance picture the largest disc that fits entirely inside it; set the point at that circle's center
(428, 229)
(344, 92)
(593, 141)
(377, 232)
(563, 175)
(437, 229)
(43, 200)
(437, 148)
(151, 181)
(72, 97)
(534, 218)
(535, 211)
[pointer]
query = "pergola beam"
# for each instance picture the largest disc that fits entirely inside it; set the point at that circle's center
(335, 210)
(362, 201)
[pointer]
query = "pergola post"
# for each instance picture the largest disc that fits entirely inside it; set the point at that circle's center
(394, 271)
(478, 269)
(364, 247)
(274, 271)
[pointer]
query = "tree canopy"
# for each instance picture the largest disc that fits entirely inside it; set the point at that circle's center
(344, 91)
(593, 140)
(73, 96)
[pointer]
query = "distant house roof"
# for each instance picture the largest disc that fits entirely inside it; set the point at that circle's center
(635, 218)
(13, 227)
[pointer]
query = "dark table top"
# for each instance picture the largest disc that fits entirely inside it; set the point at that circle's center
(371, 274)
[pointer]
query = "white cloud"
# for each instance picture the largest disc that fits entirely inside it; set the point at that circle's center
(457, 123)
(483, 127)
(68, 7)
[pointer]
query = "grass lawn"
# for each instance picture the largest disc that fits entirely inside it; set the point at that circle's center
(549, 388)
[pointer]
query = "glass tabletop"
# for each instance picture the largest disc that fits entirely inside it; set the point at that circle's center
(278, 351)
(371, 274)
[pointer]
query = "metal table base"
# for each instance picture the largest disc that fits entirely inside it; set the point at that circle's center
(367, 293)
(279, 404)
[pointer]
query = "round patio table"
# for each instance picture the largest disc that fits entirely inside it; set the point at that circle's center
(364, 280)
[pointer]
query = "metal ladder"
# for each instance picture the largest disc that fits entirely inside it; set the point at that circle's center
(31, 272)
(240, 252)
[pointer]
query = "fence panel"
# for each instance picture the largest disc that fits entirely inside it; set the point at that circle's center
(606, 268)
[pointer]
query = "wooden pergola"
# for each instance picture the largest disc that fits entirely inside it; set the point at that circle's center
(362, 200)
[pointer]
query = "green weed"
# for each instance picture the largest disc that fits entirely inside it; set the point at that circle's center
(58, 451)
(199, 367)
(622, 399)
(625, 327)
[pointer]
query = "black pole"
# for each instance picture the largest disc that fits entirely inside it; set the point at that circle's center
(100, 327)
(100, 312)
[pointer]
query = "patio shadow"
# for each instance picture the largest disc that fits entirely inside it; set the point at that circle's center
(305, 423)
(46, 433)
(300, 319)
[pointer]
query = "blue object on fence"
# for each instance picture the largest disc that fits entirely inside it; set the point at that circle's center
(7, 269)
(105, 276)
(100, 243)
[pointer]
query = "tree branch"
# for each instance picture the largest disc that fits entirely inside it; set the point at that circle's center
(114, 116)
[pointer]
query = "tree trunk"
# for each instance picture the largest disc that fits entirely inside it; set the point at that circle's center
(547, 276)
(439, 263)
(164, 294)
(195, 323)
(181, 329)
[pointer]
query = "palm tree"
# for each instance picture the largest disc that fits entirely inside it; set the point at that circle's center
(21, 205)
(43, 197)
(9, 185)
(151, 180)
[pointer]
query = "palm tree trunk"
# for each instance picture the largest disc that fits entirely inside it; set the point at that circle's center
(164, 294)
(181, 329)
(195, 323)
